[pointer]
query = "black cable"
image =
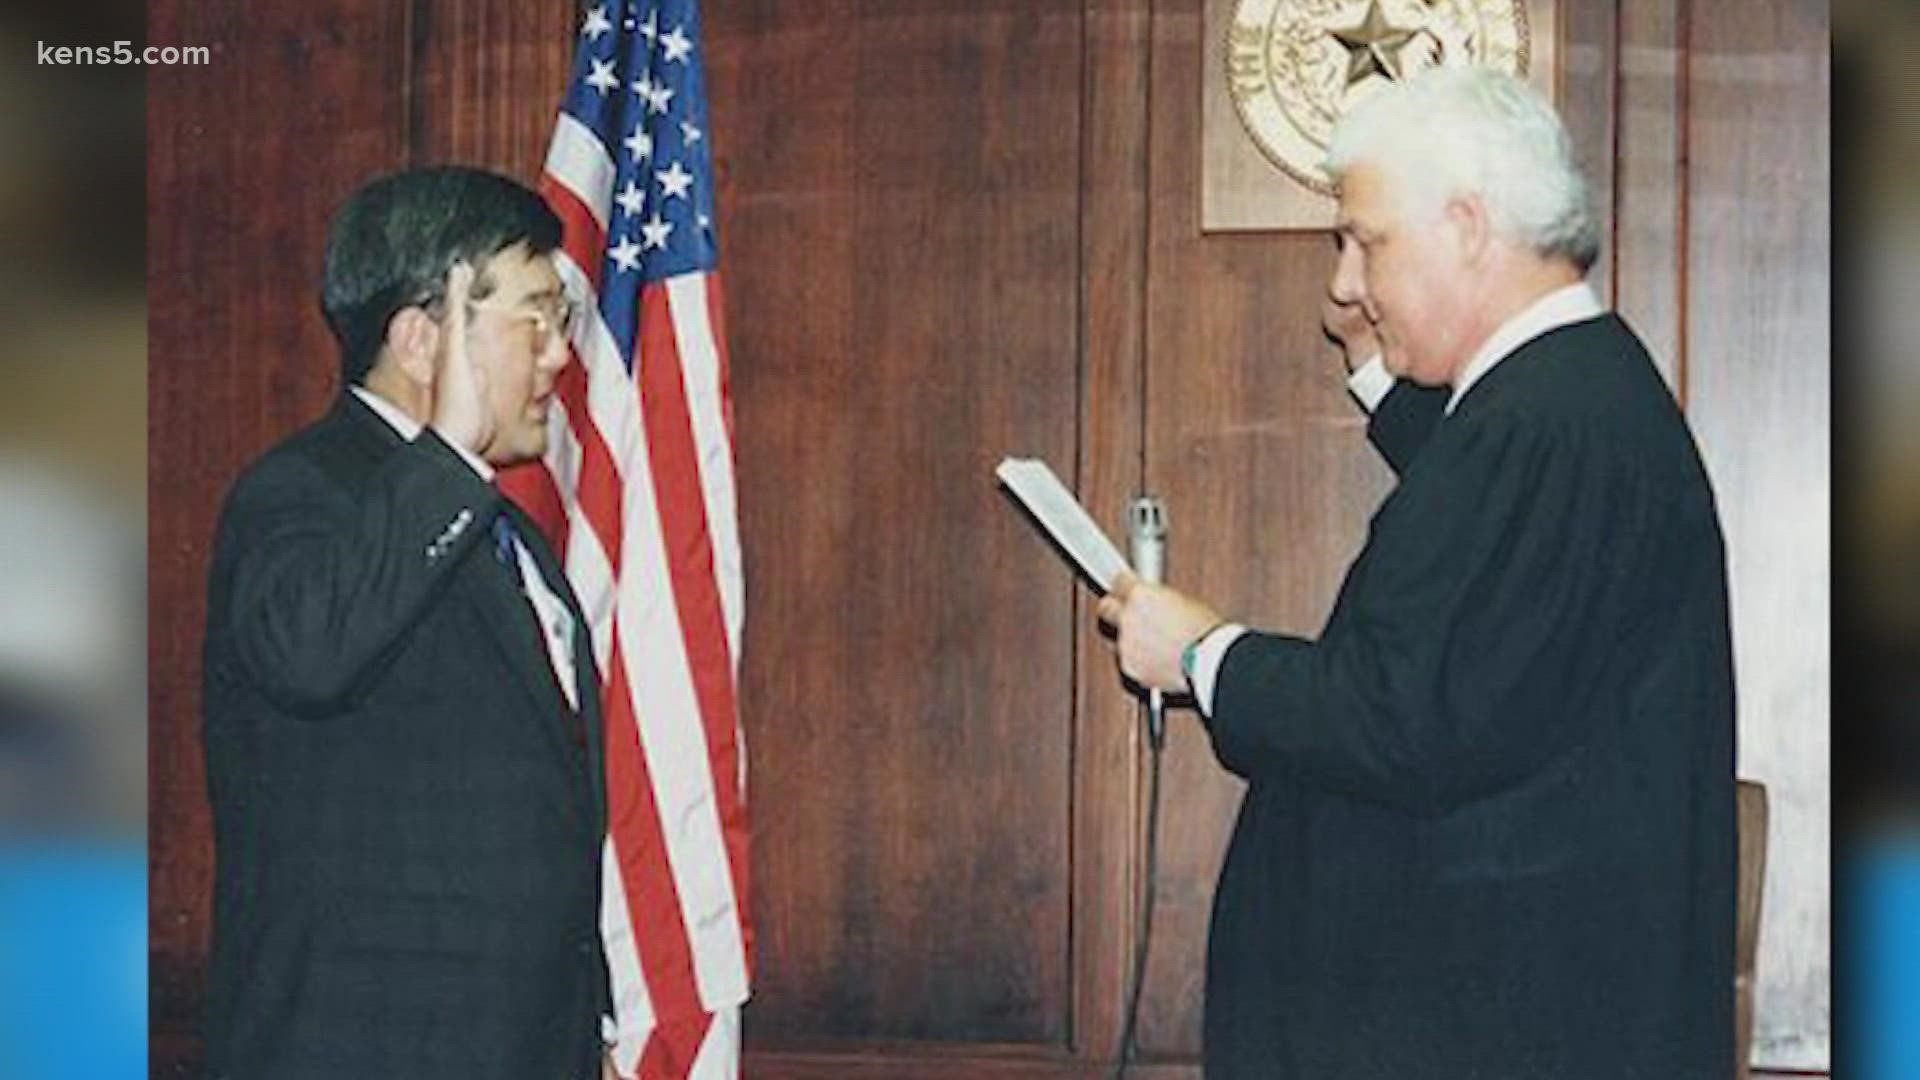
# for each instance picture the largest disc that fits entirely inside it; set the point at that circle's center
(1157, 727)
(1140, 942)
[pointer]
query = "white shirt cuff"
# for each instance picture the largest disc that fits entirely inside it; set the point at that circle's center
(1207, 657)
(1370, 382)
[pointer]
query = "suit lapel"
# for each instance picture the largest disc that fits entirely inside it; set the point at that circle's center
(489, 586)
(508, 617)
(585, 677)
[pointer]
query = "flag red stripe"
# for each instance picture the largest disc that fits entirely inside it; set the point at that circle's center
(633, 817)
(689, 550)
(581, 236)
(599, 493)
(533, 487)
(673, 1048)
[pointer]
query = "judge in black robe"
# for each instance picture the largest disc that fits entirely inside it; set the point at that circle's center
(1489, 824)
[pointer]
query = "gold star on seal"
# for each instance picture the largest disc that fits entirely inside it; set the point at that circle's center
(1374, 45)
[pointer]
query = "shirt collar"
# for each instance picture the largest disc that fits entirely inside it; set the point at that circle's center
(1561, 307)
(409, 429)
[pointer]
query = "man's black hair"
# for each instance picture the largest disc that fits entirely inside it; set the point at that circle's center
(393, 241)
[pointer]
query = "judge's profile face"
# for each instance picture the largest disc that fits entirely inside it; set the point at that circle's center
(1403, 270)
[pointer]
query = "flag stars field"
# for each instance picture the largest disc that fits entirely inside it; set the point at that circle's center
(674, 181)
(639, 144)
(596, 24)
(603, 79)
(626, 254)
(655, 231)
(677, 45)
(631, 198)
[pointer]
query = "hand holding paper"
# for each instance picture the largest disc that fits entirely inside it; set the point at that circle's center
(1154, 623)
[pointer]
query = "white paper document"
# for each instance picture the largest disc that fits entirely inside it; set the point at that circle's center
(1058, 512)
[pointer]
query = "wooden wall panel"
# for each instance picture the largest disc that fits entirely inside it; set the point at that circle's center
(1648, 278)
(1108, 745)
(237, 353)
(1758, 242)
(485, 79)
(898, 221)
(1586, 92)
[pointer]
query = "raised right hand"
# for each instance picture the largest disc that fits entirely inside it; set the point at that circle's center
(460, 412)
(1349, 327)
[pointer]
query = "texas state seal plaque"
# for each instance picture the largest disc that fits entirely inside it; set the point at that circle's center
(1280, 73)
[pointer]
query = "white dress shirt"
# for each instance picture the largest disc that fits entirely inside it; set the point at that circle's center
(1370, 383)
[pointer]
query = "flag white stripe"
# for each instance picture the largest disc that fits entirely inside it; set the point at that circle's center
(633, 1015)
(576, 159)
(661, 684)
(588, 568)
(719, 1057)
(589, 565)
(592, 576)
(700, 368)
(563, 453)
(654, 652)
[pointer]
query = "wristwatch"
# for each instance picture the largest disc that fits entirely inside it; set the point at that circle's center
(1190, 656)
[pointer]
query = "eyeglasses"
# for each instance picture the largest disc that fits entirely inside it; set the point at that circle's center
(552, 318)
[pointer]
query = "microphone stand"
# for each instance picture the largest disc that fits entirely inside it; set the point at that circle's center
(1147, 541)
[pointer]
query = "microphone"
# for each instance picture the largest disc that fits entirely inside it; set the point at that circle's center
(1147, 548)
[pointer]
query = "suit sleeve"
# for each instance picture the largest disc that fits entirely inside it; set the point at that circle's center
(1404, 420)
(318, 589)
(1453, 660)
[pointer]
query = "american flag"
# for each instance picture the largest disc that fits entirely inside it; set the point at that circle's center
(637, 489)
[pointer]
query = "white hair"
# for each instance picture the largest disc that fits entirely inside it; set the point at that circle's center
(1451, 131)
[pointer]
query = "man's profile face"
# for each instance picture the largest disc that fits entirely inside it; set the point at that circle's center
(1403, 272)
(516, 337)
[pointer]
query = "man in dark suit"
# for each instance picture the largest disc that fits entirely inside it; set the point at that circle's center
(402, 728)
(1488, 830)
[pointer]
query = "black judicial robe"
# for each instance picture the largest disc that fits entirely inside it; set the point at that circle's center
(1489, 829)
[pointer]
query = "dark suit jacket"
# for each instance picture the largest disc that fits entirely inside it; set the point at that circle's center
(407, 815)
(1489, 829)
